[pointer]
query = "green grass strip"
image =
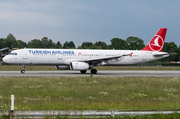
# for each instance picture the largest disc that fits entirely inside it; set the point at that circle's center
(89, 93)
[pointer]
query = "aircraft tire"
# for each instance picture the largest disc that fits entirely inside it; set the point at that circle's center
(93, 71)
(83, 71)
(22, 71)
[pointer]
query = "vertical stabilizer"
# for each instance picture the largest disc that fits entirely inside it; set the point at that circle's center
(157, 42)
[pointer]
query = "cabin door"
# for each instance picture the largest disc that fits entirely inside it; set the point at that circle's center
(24, 54)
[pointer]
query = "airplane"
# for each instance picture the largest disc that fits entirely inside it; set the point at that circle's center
(82, 60)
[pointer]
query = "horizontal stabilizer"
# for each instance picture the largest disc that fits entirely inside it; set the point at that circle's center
(163, 53)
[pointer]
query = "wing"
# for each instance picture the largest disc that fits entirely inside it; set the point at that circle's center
(98, 60)
(95, 60)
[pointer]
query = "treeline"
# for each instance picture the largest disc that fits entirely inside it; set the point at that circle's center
(130, 43)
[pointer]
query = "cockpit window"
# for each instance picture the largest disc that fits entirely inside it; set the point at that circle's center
(12, 54)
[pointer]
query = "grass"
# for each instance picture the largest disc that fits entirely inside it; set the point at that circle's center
(27, 68)
(52, 68)
(90, 93)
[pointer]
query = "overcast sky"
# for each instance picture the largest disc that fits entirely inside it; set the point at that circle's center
(89, 20)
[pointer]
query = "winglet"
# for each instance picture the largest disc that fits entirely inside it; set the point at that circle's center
(157, 42)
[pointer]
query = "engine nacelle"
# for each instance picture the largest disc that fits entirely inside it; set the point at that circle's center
(62, 67)
(79, 66)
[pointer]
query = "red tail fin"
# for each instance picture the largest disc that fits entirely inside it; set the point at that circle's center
(157, 42)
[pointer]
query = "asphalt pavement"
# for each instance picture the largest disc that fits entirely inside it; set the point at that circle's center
(99, 74)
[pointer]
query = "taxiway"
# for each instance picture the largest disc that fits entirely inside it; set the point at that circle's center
(99, 74)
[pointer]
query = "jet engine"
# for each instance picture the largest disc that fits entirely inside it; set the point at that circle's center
(79, 66)
(62, 67)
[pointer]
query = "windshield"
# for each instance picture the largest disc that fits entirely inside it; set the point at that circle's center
(12, 53)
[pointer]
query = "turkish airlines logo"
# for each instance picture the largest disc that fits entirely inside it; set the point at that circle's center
(130, 54)
(156, 44)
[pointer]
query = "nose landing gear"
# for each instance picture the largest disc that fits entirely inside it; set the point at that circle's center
(23, 69)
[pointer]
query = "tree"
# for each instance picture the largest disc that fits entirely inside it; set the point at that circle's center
(69, 45)
(58, 45)
(51, 44)
(45, 42)
(10, 41)
(134, 43)
(170, 47)
(2, 43)
(101, 45)
(86, 45)
(79, 47)
(65, 45)
(117, 43)
(21, 44)
(35, 43)
(94, 47)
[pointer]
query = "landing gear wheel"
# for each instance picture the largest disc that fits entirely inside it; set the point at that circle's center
(93, 71)
(83, 71)
(22, 71)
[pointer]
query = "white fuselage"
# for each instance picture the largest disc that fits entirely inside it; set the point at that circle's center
(65, 56)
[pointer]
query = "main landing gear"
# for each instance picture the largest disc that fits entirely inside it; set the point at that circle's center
(83, 71)
(93, 71)
(23, 69)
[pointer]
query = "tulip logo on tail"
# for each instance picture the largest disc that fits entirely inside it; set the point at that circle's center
(156, 43)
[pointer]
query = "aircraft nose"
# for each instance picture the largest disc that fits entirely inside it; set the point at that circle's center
(5, 59)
